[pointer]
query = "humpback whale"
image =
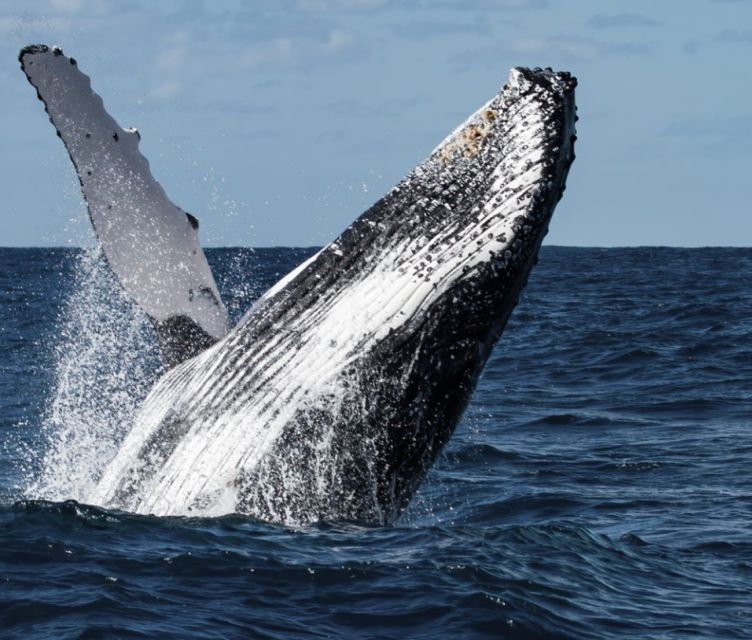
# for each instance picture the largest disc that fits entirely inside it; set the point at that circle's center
(335, 392)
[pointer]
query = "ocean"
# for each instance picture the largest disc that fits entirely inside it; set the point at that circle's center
(598, 485)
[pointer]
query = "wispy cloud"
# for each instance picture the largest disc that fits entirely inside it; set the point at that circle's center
(425, 29)
(602, 21)
(27, 25)
(733, 36)
(493, 5)
(578, 47)
(190, 53)
(192, 103)
(67, 5)
(730, 134)
(342, 5)
(510, 4)
(93, 7)
(692, 46)
(726, 37)
(300, 52)
(171, 59)
(165, 91)
(553, 49)
(386, 109)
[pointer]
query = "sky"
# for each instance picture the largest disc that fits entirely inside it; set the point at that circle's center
(278, 122)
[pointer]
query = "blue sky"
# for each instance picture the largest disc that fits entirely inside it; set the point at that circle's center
(279, 122)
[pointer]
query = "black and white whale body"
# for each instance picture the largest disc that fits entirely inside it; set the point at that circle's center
(336, 391)
(150, 243)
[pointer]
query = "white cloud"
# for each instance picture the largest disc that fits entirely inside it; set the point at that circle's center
(496, 5)
(332, 5)
(558, 49)
(299, 51)
(580, 48)
(515, 4)
(25, 27)
(171, 59)
(165, 91)
(71, 6)
(93, 8)
(602, 21)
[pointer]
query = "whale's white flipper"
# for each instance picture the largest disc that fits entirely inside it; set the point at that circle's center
(150, 243)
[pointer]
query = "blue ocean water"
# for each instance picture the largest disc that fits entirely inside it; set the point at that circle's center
(598, 486)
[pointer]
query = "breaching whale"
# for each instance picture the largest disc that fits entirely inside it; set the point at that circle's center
(336, 391)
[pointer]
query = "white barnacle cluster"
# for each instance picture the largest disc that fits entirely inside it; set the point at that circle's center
(469, 140)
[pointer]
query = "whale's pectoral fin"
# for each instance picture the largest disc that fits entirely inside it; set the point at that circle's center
(150, 244)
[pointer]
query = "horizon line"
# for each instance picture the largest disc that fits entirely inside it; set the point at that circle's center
(313, 246)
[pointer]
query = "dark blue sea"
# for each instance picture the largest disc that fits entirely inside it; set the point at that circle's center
(598, 486)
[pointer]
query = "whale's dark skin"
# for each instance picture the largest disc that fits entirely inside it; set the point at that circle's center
(333, 396)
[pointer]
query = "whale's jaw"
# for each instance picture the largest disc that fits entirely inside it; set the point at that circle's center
(336, 392)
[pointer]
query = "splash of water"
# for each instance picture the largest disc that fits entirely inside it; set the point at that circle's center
(105, 365)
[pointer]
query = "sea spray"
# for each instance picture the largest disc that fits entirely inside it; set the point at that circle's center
(105, 363)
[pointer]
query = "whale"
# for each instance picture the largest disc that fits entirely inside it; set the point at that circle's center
(334, 394)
